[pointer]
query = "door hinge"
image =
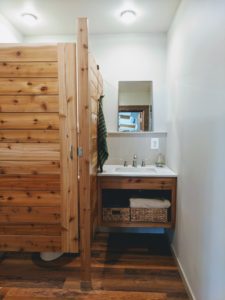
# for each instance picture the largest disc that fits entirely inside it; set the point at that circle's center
(79, 151)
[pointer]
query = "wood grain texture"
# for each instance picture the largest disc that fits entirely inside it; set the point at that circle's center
(30, 243)
(94, 105)
(138, 183)
(29, 136)
(120, 262)
(68, 140)
(26, 86)
(20, 53)
(29, 214)
(96, 90)
(94, 204)
(95, 78)
(93, 90)
(57, 294)
(28, 69)
(29, 198)
(84, 161)
(30, 182)
(135, 225)
(29, 167)
(94, 120)
(29, 121)
(26, 229)
(90, 89)
(29, 152)
(29, 103)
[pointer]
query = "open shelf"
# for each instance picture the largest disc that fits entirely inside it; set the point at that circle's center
(115, 192)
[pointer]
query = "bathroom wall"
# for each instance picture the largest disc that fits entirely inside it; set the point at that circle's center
(196, 143)
(8, 33)
(130, 98)
(123, 147)
(124, 57)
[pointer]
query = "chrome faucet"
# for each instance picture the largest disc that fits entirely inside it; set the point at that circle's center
(134, 161)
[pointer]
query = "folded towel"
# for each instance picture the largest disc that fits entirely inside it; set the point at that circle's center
(149, 203)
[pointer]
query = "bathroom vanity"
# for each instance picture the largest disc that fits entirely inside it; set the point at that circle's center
(117, 184)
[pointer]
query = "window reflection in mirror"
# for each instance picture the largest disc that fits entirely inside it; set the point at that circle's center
(135, 106)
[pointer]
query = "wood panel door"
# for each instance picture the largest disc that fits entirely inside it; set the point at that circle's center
(90, 89)
(38, 160)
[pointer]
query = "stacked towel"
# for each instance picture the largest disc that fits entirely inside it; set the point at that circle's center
(149, 203)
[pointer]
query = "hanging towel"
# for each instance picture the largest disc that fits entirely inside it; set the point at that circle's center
(102, 134)
(149, 203)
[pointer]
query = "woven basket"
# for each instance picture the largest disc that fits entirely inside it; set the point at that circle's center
(152, 215)
(116, 215)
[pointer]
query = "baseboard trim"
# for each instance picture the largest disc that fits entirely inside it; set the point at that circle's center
(183, 275)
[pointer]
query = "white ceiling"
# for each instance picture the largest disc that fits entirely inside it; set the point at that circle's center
(58, 17)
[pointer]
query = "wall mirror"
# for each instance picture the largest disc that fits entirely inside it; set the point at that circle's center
(135, 106)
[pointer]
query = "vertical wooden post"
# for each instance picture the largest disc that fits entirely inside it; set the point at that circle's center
(68, 139)
(84, 160)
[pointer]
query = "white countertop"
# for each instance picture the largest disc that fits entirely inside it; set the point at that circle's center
(129, 171)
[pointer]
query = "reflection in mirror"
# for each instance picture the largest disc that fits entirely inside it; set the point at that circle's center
(135, 106)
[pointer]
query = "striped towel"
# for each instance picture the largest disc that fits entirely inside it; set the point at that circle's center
(102, 134)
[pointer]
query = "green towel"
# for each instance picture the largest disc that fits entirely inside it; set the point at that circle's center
(102, 135)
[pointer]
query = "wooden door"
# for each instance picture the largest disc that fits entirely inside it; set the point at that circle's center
(90, 85)
(38, 161)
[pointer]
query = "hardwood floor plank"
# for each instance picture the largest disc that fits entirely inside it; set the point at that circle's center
(128, 263)
(54, 294)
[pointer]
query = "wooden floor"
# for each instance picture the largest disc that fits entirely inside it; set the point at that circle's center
(121, 262)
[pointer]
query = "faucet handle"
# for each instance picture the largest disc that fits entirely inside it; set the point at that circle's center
(135, 156)
(143, 163)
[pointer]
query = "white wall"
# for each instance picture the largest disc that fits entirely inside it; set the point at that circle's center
(196, 142)
(50, 39)
(123, 146)
(8, 33)
(132, 98)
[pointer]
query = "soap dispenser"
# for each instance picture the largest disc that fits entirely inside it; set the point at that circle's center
(160, 161)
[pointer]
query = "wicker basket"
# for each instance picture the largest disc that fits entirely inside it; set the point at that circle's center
(116, 215)
(150, 215)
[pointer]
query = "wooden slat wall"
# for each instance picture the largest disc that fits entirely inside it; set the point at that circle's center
(96, 90)
(68, 138)
(84, 160)
(32, 204)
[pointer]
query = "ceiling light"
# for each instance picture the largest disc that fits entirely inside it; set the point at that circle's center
(128, 16)
(29, 19)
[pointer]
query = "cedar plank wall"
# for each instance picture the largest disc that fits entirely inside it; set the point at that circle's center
(90, 88)
(31, 204)
(96, 90)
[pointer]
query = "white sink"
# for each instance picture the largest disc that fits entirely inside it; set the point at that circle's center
(150, 170)
(129, 171)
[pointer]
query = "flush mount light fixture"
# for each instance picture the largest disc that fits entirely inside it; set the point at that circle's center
(128, 16)
(29, 18)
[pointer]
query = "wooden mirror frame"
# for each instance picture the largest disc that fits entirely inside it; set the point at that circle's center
(144, 109)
